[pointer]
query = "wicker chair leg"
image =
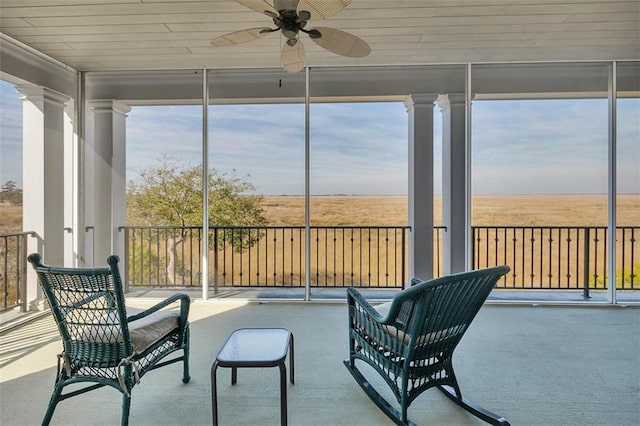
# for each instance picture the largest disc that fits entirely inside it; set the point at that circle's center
(186, 351)
(185, 366)
(126, 407)
(55, 398)
(472, 407)
(185, 355)
(403, 412)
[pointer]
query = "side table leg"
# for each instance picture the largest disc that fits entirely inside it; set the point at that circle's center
(291, 362)
(214, 393)
(234, 375)
(283, 393)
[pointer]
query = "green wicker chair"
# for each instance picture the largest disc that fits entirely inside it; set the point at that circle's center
(410, 340)
(106, 343)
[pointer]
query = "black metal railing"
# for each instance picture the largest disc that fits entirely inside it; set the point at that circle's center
(360, 256)
(271, 256)
(558, 257)
(13, 264)
(549, 257)
(541, 258)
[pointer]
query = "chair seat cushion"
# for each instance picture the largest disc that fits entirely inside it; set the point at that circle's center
(143, 332)
(435, 336)
(148, 330)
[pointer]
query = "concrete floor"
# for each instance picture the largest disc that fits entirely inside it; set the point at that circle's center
(534, 365)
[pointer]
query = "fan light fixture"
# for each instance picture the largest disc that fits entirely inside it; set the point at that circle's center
(291, 17)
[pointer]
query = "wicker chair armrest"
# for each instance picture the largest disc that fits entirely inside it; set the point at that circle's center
(354, 297)
(184, 307)
(372, 327)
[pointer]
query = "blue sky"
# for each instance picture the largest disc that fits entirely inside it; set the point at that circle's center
(551, 146)
(10, 134)
(355, 149)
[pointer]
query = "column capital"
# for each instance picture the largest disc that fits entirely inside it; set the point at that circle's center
(32, 93)
(419, 99)
(445, 101)
(109, 105)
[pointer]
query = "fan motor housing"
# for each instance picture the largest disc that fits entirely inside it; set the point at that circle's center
(290, 24)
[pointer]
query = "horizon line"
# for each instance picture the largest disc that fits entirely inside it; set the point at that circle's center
(439, 195)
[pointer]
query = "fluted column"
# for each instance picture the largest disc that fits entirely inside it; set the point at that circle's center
(71, 235)
(106, 180)
(420, 110)
(43, 178)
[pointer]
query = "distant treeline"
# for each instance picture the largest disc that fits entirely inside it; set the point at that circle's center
(10, 193)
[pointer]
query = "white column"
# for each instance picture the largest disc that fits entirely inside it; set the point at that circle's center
(86, 208)
(454, 188)
(70, 193)
(420, 110)
(106, 162)
(43, 178)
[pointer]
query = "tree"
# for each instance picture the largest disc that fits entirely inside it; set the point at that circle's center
(11, 193)
(171, 194)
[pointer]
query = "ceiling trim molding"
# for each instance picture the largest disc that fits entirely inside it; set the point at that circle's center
(29, 54)
(33, 67)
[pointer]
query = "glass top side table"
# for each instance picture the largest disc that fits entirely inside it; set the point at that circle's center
(254, 348)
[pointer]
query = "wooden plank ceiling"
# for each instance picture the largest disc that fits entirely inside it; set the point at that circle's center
(171, 34)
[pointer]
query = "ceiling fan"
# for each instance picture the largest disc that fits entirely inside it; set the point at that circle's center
(291, 18)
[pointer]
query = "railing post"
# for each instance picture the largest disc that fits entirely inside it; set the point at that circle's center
(126, 258)
(585, 289)
(215, 260)
(4, 275)
(22, 282)
(473, 247)
(404, 231)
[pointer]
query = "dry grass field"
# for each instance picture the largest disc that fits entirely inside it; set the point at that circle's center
(507, 210)
(10, 218)
(503, 210)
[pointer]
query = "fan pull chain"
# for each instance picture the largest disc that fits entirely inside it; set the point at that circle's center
(280, 71)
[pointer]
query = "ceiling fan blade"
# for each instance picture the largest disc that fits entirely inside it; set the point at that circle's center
(240, 37)
(293, 57)
(260, 6)
(342, 43)
(322, 9)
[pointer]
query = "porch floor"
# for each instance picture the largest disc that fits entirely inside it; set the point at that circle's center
(534, 365)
